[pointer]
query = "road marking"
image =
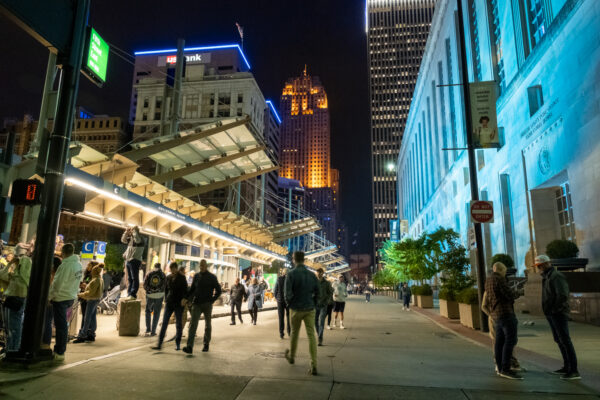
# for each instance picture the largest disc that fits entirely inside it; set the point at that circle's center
(105, 356)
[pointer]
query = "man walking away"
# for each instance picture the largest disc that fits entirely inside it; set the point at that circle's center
(237, 294)
(133, 259)
(154, 285)
(555, 303)
(301, 292)
(501, 299)
(340, 293)
(203, 293)
(405, 293)
(325, 294)
(283, 311)
(175, 293)
(63, 291)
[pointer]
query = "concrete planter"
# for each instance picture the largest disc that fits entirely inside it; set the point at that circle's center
(449, 309)
(424, 301)
(413, 300)
(469, 315)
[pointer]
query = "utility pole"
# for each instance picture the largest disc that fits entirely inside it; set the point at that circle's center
(472, 167)
(37, 296)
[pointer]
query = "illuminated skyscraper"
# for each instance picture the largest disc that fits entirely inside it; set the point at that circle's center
(397, 31)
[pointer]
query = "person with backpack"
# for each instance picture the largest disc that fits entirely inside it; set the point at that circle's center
(16, 275)
(133, 259)
(154, 285)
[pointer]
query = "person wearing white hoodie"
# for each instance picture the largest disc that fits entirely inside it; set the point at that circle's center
(340, 293)
(63, 291)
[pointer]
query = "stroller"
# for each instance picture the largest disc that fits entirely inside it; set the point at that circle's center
(108, 303)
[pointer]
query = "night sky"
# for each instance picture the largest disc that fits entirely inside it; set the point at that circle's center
(280, 37)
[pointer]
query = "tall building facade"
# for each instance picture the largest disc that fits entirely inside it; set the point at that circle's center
(305, 148)
(542, 179)
(397, 31)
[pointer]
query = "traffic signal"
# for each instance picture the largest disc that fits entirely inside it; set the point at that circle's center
(26, 192)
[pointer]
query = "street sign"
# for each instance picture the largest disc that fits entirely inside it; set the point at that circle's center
(482, 212)
(87, 250)
(93, 251)
(95, 57)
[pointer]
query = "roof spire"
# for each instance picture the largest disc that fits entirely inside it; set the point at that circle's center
(305, 69)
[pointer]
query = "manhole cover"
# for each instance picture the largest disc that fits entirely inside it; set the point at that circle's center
(271, 354)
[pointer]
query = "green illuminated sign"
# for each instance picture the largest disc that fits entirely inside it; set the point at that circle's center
(97, 56)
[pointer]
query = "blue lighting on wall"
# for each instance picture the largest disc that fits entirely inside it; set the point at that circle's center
(270, 103)
(367, 16)
(202, 48)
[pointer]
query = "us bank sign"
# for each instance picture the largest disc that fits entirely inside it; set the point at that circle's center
(195, 58)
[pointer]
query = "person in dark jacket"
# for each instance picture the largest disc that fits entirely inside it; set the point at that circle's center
(175, 293)
(154, 285)
(237, 294)
(283, 311)
(555, 304)
(500, 300)
(255, 299)
(325, 296)
(405, 293)
(204, 291)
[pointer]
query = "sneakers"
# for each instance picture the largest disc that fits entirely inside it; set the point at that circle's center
(187, 350)
(233, 323)
(288, 356)
(571, 376)
(329, 327)
(129, 298)
(510, 375)
(59, 357)
(147, 333)
(312, 370)
(561, 371)
(157, 347)
(205, 348)
(79, 340)
(342, 325)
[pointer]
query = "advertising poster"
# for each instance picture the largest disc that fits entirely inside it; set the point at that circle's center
(483, 113)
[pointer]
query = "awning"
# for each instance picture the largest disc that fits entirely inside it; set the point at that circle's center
(295, 228)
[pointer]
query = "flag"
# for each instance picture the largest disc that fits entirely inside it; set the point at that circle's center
(240, 30)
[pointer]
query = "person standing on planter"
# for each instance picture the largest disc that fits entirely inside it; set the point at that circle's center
(283, 310)
(92, 295)
(501, 299)
(555, 304)
(133, 258)
(340, 294)
(255, 299)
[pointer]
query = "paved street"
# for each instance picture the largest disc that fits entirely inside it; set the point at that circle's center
(384, 353)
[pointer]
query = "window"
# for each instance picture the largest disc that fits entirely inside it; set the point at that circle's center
(564, 208)
(146, 102)
(536, 98)
(507, 219)
(100, 124)
(537, 21)
(240, 98)
(158, 102)
(93, 124)
(115, 122)
(145, 117)
(157, 116)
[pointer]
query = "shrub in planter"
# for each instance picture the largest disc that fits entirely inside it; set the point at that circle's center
(448, 304)
(558, 249)
(468, 306)
(423, 290)
(424, 296)
(507, 260)
(446, 294)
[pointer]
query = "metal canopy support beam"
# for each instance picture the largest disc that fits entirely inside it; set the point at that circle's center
(224, 183)
(337, 259)
(179, 173)
(138, 154)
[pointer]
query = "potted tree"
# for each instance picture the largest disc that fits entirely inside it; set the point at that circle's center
(468, 306)
(453, 264)
(564, 255)
(507, 260)
(423, 296)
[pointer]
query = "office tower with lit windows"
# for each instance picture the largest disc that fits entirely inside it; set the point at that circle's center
(397, 31)
(305, 148)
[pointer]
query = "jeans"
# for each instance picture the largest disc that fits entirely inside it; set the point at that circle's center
(133, 276)
(14, 325)
(506, 339)
(197, 311)
(88, 328)
(329, 311)
(254, 312)
(559, 323)
(82, 307)
(169, 310)
(514, 363)
(308, 317)
(58, 313)
(283, 312)
(236, 305)
(320, 314)
(153, 306)
(406, 301)
(368, 296)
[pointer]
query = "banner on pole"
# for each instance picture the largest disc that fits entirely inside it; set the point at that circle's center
(483, 113)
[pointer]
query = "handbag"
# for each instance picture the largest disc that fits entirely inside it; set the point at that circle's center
(14, 303)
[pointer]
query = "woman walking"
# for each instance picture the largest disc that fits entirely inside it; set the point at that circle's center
(255, 299)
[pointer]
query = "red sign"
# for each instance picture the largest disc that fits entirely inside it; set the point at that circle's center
(482, 212)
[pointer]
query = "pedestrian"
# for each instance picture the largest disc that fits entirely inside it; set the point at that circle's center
(406, 294)
(16, 276)
(92, 295)
(255, 299)
(367, 292)
(176, 290)
(62, 294)
(283, 311)
(237, 294)
(133, 259)
(555, 304)
(87, 277)
(340, 294)
(204, 292)
(154, 285)
(301, 293)
(325, 294)
(501, 299)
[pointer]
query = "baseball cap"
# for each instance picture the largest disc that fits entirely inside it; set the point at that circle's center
(541, 259)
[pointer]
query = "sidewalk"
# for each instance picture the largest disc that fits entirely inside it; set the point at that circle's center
(384, 353)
